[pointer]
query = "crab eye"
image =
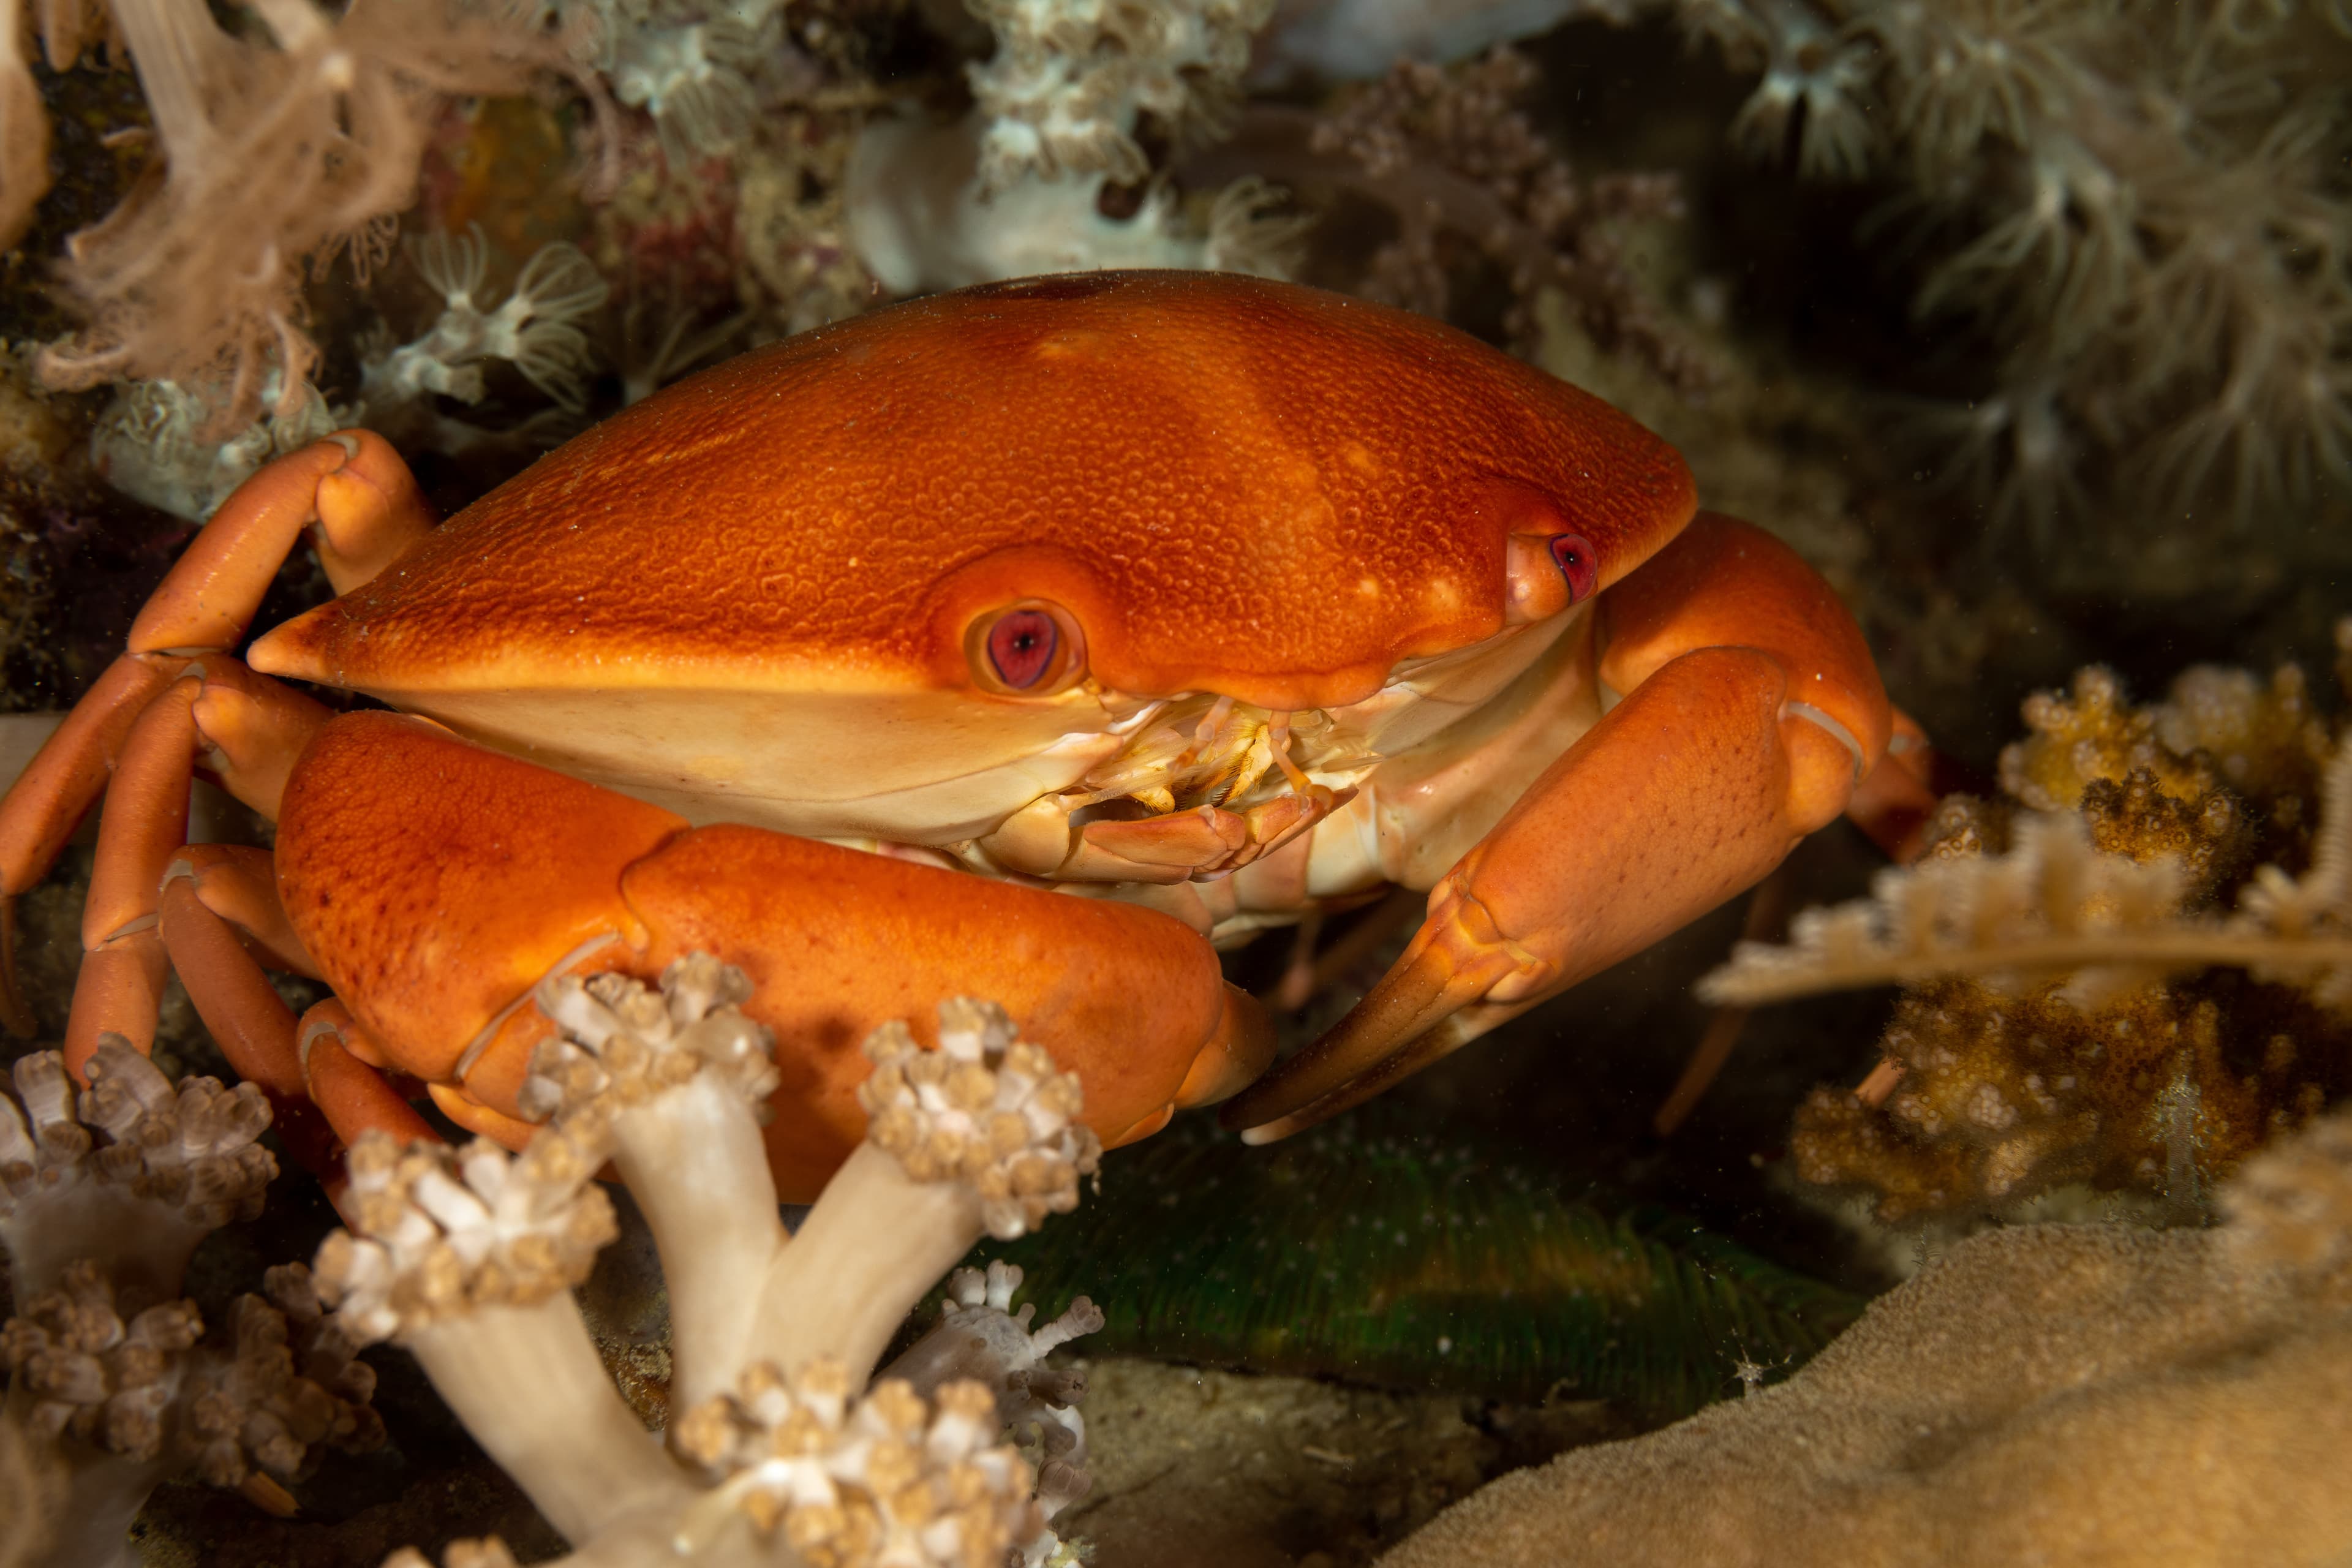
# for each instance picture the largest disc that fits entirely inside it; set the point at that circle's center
(1572, 553)
(1022, 647)
(1027, 649)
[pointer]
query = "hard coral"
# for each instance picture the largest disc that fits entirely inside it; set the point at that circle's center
(2058, 1395)
(2078, 1007)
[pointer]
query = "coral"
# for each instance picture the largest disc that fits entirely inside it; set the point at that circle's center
(2135, 209)
(2138, 203)
(534, 328)
(2079, 1007)
(1450, 155)
(104, 1194)
(270, 158)
(1352, 40)
(155, 444)
(1073, 83)
(784, 1433)
(2059, 1394)
(24, 132)
(151, 444)
(1471, 183)
(1050, 172)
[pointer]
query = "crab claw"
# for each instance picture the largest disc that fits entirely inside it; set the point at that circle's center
(1751, 709)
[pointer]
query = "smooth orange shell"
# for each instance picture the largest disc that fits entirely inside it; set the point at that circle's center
(1237, 485)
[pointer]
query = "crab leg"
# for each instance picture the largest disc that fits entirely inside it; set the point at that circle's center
(123, 965)
(143, 836)
(1751, 709)
(352, 1092)
(366, 509)
(56, 791)
(238, 883)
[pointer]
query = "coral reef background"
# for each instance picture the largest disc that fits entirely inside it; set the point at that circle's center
(2028, 321)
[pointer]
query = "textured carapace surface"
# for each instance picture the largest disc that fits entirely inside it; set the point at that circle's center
(1234, 485)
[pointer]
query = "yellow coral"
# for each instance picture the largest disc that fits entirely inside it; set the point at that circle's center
(2078, 1005)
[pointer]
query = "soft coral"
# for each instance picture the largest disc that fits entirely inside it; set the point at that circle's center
(270, 155)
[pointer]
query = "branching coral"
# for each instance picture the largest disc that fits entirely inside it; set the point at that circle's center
(2111, 997)
(104, 1193)
(272, 157)
(466, 1256)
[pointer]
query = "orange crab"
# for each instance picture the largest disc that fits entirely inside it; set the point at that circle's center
(1223, 600)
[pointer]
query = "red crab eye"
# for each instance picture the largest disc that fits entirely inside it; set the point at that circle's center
(1028, 649)
(1572, 553)
(1022, 647)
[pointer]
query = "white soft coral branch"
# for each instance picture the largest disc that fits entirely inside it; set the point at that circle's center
(465, 1257)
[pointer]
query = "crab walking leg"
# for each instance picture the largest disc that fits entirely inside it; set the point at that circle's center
(355, 1094)
(1751, 709)
(368, 512)
(247, 1018)
(239, 883)
(48, 800)
(352, 485)
(124, 963)
(253, 729)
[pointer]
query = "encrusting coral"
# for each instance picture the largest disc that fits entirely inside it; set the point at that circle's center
(2098, 988)
(2057, 1395)
(104, 1194)
(784, 1433)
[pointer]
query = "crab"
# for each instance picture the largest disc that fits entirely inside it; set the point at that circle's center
(1214, 600)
